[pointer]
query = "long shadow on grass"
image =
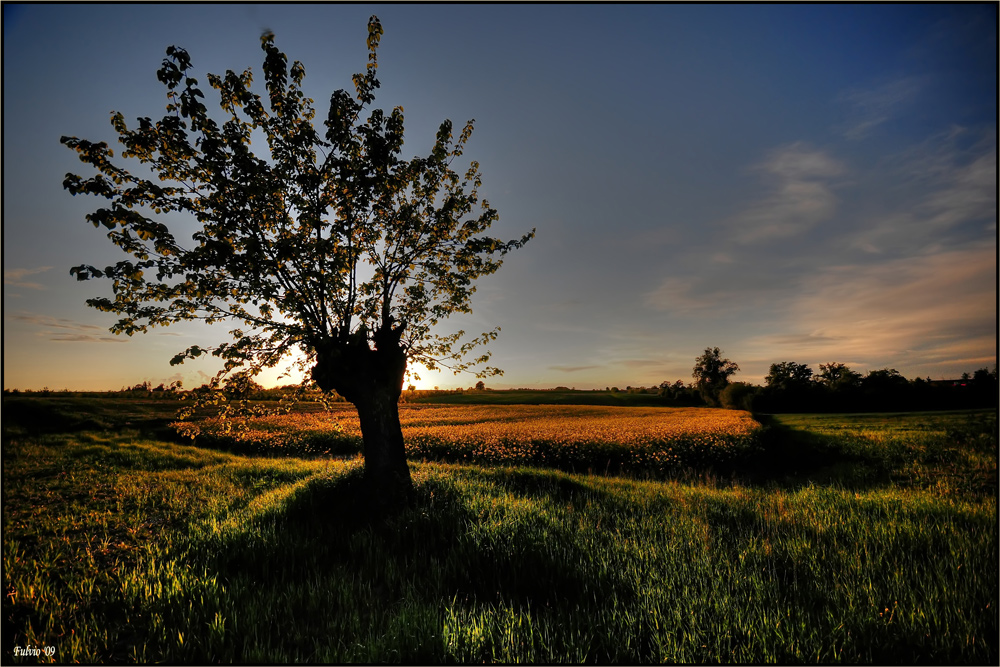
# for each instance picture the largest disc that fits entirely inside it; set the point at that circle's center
(791, 458)
(322, 560)
(36, 416)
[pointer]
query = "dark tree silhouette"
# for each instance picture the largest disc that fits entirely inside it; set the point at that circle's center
(788, 375)
(331, 244)
(711, 373)
(838, 377)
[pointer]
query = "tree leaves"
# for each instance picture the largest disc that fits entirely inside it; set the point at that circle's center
(322, 236)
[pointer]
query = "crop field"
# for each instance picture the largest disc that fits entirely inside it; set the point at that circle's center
(823, 539)
(644, 441)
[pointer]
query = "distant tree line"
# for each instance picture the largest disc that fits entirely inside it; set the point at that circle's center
(795, 387)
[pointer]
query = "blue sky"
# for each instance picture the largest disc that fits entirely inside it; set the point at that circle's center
(807, 183)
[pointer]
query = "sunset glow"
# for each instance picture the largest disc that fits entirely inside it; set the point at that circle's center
(807, 183)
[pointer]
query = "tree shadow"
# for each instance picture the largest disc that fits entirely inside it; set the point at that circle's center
(436, 554)
(791, 458)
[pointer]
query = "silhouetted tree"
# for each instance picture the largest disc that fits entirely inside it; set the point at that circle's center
(885, 389)
(711, 373)
(840, 385)
(838, 376)
(789, 387)
(678, 392)
(331, 244)
(984, 387)
(788, 375)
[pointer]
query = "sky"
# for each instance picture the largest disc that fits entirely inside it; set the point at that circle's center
(809, 183)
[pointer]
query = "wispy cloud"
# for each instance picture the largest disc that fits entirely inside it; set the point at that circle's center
(63, 330)
(908, 312)
(15, 277)
(870, 107)
(572, 369)
(642, 363)
(799, 195)
(956, 188)
(678, 295)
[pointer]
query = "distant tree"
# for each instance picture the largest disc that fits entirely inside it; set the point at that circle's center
(885, 389)
(985, 387)
(667, 386)
(984, 377)
(789, 387)
(838, 387)
(480, 386)
(711, 373)
(331, 244)
(838, 376)
(788, 375)
(884, 379)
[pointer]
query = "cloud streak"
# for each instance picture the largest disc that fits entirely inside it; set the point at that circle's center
(63, 330)
(872, 107)
(955, 188)
(15, 277)
(907, 312)
(799, 196)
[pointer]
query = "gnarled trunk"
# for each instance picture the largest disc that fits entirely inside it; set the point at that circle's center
(386, 471)
(372, 379)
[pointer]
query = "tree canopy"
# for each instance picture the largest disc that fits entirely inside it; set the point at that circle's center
(788, 375)
(330, 243)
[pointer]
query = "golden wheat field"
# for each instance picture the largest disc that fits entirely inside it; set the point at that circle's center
(583, 438)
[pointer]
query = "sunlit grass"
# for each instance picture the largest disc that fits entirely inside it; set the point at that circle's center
(953, 453)
(120, 548)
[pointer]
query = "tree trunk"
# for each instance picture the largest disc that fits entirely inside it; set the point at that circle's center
(372, 379)
(387, 474)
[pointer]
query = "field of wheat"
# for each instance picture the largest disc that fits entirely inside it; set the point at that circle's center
(577, 438)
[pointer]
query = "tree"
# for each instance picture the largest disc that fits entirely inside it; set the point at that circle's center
(332, 245)
(840, 384)
(789, 388)
(711, 373)
(837, 376)
(788, 375)
(885, 389)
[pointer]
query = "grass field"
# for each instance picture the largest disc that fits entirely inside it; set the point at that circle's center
(837, 538)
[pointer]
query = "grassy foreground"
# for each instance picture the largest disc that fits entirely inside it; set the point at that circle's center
(118, 546)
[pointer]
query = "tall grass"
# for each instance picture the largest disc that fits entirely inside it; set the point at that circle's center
(952, 453)
(120, 548)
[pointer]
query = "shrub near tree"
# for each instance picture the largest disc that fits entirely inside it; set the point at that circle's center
(330, 244)
(739, 396)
